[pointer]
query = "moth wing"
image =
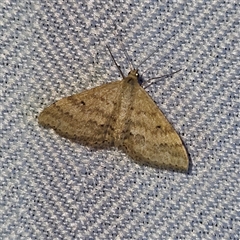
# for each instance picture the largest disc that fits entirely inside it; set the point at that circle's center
(150, 137)
(85, 117)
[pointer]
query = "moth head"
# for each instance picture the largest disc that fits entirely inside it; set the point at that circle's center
(133, 73)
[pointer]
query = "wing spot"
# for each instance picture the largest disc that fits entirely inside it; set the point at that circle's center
(82, 103)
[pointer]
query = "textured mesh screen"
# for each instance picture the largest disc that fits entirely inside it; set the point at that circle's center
(52, 188)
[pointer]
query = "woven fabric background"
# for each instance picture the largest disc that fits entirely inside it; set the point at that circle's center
(52, 188)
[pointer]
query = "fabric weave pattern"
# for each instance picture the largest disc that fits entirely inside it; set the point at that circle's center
(52, 188)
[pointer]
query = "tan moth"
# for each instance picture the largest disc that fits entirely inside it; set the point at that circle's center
(119, 114)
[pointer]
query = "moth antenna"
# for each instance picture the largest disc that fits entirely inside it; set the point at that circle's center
(146, 59)
(124, 51)
(159, 78)
(128, 59)
(118, 67)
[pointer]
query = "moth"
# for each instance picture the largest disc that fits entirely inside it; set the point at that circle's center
(119, 114)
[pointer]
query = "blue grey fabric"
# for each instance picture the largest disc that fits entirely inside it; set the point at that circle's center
(52, 188)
